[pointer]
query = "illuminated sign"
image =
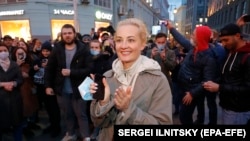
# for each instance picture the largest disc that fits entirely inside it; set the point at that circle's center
(63, 12)
(11, 13)
(102, 15)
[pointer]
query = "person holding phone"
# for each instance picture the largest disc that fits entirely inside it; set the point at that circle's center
(10, 95)
(136, 92)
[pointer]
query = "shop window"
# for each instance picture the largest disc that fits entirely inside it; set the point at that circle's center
(16, 28)
(11, 1)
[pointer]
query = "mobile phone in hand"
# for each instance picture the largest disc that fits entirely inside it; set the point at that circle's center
(99, 94)
(246, 18)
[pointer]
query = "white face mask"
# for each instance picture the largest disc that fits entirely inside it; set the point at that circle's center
(4, 55)
(192, 42)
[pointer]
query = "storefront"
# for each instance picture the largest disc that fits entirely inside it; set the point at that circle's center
(102, 19)
(15, 28)
(59, 18)
(44, 21)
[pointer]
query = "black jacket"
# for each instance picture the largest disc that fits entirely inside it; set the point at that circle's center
(192, 72)
(80, 67)
(235, 82)
(11, 105)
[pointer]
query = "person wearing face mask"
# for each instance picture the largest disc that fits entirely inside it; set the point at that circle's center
(198, 66)
(164, 56)
(101, 65)
(101, 59)
(10, 81)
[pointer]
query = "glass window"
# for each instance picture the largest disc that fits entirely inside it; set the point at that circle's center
(11, 1)
(16, 28)
(56, 26)
(103, 3)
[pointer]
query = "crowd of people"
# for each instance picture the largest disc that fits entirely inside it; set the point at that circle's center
(144, 79)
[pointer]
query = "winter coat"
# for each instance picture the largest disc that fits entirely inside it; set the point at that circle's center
(198, 66)
(151, 104)
(235, 81)
(80, 67)
(11, 102)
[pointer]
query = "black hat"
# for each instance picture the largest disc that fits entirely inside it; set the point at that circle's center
(7, 37)
(47, 45)
(86, 36)
(230, 29)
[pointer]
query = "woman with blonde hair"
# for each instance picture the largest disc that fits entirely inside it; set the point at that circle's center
(136, 92)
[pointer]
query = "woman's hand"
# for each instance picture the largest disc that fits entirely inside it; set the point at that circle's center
(122, 98)
(19, 62)
(8, 86)
(94, 87)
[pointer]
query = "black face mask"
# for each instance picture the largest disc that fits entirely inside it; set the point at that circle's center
(106, 47)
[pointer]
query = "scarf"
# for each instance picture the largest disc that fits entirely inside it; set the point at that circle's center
(128, 77)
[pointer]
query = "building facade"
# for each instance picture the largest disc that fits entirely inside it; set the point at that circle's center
(196, 14)
(43, 19)
(222, 12)
(180, 17)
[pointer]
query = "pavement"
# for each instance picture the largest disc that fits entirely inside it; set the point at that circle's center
(43, 123)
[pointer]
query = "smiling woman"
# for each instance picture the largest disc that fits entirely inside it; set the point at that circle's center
(136, 91)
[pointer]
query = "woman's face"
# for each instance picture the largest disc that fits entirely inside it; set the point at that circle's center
(20, 54)
(3, 49)
(22, 45)
(128, 44)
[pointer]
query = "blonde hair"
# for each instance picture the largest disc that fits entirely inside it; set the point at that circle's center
(137, 23)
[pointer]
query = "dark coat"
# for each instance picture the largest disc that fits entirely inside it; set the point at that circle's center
(196, 68)
(11, 102)
(101, 63)
(235, 81)
(80, 67)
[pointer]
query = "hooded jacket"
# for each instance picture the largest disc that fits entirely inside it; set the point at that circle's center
(80, 67)
(151, 102)
(198, 65)
(235, 81)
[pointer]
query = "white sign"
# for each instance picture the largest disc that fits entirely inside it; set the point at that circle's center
(102, 15)
(63, 12)
(11, 13)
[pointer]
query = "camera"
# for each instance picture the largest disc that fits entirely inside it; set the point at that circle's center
(44, 60)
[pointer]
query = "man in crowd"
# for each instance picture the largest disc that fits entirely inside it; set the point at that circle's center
(234, 86)
(68, 65)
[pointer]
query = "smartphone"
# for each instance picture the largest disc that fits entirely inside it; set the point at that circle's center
(99, 94)
(44, 60)
(162, 22)
(21, 56)
(246, 18)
